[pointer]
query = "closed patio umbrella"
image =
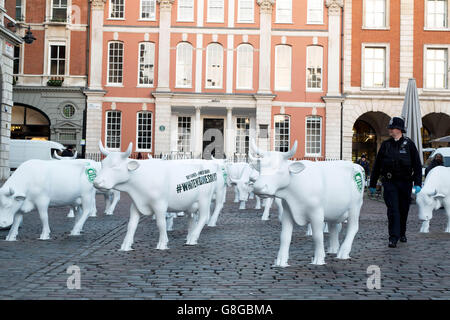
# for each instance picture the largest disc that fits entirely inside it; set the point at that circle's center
(412, 115)
(442, 139)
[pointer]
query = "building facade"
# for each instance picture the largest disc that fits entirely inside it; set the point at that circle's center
(8, 40)
(385, 44)
(50, 74)
(184, 76)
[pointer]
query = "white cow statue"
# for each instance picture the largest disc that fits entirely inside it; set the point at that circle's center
(434, 194)
(312, 192)
(39, 184)
(157, 187)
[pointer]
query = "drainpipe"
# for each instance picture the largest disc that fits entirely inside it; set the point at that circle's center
(88, 37)
(342, 81)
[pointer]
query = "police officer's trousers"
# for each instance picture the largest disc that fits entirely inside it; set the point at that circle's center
(397, 196)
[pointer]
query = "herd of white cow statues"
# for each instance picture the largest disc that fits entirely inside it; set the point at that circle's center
(319, 195)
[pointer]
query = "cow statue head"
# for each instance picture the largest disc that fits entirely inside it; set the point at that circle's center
(427, 201)
(116, 168)
(244, 184)
(274, 169)
(10, 203)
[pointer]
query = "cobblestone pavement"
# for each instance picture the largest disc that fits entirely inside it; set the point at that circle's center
(232, 261)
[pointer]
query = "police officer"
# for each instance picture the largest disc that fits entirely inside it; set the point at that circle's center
(398, 164)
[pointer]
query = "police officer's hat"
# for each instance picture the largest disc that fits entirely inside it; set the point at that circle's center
(397, 123)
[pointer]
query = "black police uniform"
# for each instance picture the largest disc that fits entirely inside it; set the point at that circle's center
(398, 164)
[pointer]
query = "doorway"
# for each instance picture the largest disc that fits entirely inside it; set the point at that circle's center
(213, 138)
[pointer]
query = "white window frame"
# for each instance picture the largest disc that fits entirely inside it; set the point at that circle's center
(66, 60)
(208, 69)
(19, 59)
(241, 133)
(177, 71)
(209, 20)
(23, 6)
(320, 89)
(115, 84)
(137, 131)
(386, 17)
(189, 136)
(426, 17)
(66, 7)
(308, 18)
(277, 137)
(307, 154)
(139, 65)
(240, 18)
(277, 15)
(435, 46)
(238, 57)
(276, 73)
(106, 130)
(141, 12)
(386, 46)
(189, 19)
(110, 10)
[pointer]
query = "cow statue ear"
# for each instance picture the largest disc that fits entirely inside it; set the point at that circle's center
(438, 195)
(296, 167)
(19, 198)
(133, 165)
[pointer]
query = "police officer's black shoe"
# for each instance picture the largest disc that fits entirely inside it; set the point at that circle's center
(403, 239)
(392, 244)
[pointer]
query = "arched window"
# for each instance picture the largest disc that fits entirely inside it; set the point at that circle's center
(214, 66)
(283, 62)
(146, 63)
(313, 136)
(314, 62)
(184, 65)
(282, 132)
(244, 77)
(144, 131)
(113, 129)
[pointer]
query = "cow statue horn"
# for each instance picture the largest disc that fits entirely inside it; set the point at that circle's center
(74, 155)
(291, 153)
(254, 148)
(56, 156)
(127, 153)
(103, 150)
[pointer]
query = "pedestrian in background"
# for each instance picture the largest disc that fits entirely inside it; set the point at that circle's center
(365, 164)
(398, 163)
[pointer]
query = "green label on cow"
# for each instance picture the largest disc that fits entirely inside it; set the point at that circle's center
(359, 181)
(91, 173)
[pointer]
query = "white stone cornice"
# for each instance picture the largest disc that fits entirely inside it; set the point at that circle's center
(265, 5)
(334, 7)
(97, 4)
(165, 4)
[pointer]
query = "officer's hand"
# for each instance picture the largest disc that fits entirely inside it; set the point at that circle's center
(417, 189)
(372, 190)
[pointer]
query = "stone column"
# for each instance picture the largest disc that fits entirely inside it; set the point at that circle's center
(406, 42)
(94, 94)
(264, 120)
(163, 112)
(265, 45)
(165, 12)
(198, 136)
(333, 97)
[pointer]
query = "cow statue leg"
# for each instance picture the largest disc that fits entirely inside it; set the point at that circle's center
(162, 228)
(220, 196)
(14, 231)
(447, 213)
(42, 207)
(317, 225)
(258, 203)
(251, 196)
(112, 203)
(191, 224)
(334, 229)
(71, 213)
(279, 205)
(325, 228)
(169, 220)
(94, 206)
(203, 215)
(267, 205)
(131, 229)
(308, 230)
(352, 229)
(425, 228)
(287, 225)
(242, 205)
(236, 195)
(86, 208)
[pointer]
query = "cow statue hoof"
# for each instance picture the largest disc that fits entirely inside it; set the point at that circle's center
(44, 237)
(319, 261)
(108, 213)
(71, 214)
(75, 233)
(11, 238)
(342, 255)
(212, 224)
(333, 250)
(126, 247)
(425, 227)
(162, 246)
(281, 263)
(447, 229)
